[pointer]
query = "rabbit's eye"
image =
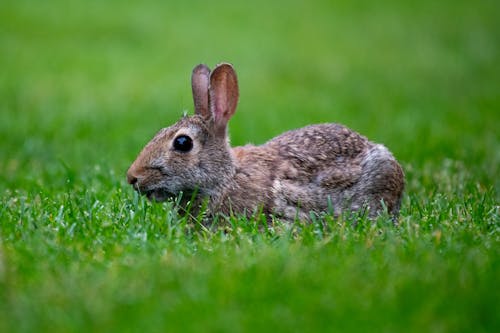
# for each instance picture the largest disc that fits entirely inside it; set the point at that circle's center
(183, 143)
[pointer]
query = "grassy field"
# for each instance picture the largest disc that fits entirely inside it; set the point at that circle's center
(85, 84)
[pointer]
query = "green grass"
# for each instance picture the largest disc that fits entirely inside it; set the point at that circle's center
(85, 84)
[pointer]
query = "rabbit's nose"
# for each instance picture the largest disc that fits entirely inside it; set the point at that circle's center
(132, 180)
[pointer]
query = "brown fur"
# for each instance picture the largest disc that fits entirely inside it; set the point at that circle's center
(301, 171)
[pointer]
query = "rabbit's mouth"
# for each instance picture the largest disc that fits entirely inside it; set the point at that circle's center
(162, 194)
(159, 195)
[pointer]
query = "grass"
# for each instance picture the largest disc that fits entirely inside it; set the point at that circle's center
(85, 84)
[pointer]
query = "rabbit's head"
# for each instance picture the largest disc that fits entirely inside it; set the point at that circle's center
(192, 155)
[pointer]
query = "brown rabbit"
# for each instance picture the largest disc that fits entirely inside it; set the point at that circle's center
(312, 169)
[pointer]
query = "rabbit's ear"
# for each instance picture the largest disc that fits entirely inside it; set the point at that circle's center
(223, 96)
(199, 83)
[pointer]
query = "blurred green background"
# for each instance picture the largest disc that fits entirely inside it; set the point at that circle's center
(85, 84)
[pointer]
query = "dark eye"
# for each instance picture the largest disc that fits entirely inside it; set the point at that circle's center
(183, 143)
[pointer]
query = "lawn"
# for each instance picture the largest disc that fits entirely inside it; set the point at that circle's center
(85, 84)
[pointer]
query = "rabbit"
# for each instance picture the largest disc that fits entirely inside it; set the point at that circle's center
(314, 169)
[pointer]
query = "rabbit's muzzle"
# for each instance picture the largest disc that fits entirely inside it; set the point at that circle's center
(151, 192)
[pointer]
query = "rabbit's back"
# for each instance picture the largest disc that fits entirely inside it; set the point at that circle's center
(313, 148)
